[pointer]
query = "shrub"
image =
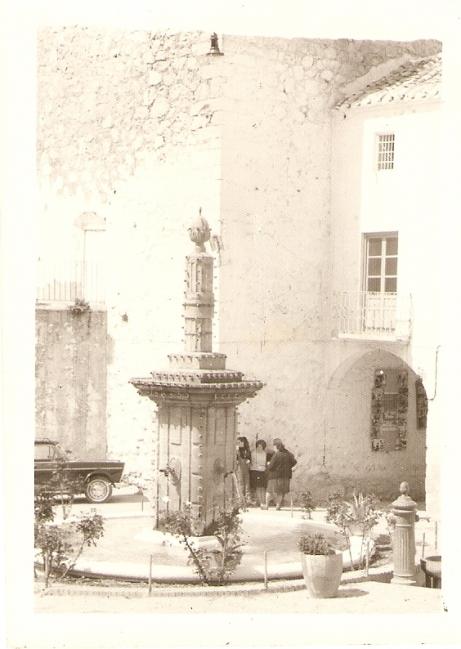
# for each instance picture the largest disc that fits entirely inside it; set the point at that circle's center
(79, 306)
(361, 512)
(227, 529)
(90, 528)
(52, 541)
(315, 544)
(212, 566)
(307, 502)
(61, 545)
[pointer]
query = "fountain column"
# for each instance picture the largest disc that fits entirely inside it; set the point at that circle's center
(197, 399)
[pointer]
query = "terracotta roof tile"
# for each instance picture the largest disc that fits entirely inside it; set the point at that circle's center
(411, 81)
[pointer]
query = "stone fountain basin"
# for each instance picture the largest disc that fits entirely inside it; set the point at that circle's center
(125, 549)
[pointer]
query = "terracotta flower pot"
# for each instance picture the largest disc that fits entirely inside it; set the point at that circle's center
(322, 573)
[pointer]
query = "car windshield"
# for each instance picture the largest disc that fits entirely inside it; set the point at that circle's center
(60, 453)
(49, 452)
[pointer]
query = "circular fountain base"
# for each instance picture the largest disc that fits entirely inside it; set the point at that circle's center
(127, 547)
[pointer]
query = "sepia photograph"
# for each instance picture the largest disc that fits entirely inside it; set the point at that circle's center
(241, 362)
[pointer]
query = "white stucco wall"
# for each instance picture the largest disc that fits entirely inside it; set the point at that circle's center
(275, 276)
(404, 200)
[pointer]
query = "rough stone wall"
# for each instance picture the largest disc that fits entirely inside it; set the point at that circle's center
(71, 380)
(127, 129)
(108, 99)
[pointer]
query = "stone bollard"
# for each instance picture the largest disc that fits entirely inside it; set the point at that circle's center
(403, 520)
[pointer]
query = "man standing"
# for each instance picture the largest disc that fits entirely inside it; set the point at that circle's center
(279, 473)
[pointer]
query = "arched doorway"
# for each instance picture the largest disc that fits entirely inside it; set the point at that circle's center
(375, 433)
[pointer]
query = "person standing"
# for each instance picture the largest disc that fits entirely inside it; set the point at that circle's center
(258, 469)
(242, 468)
(279, 473)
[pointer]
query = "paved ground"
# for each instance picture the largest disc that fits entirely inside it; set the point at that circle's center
(361, 597)
(356, 594)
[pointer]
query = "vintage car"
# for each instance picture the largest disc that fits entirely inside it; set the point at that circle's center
(56, 473)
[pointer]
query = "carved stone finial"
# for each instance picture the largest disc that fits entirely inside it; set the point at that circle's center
(404, 488)
(199, 232)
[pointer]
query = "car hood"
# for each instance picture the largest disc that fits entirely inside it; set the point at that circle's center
(106, 464)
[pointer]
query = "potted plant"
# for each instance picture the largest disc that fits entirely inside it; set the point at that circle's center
(322, 565)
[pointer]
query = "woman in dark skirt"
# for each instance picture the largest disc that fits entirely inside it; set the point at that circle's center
(279, 473)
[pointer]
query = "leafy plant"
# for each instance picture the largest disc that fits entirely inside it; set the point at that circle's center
(64, 486)
(212, 566)
(362, 513)
(56, 542)
(338, 513)
(80, 306)
(180, 525)
(307, 502)
(365, 513)
(227, 529)
(315, 544)
(43, 508)
(52, 541)
(90, 528)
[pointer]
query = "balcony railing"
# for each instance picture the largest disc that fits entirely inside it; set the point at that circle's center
(67, 281)
(372, 315)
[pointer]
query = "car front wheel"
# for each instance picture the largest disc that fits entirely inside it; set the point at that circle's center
(98, 490)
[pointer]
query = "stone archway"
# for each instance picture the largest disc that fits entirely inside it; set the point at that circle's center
(374, 445)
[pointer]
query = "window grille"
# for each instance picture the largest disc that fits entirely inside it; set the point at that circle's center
(386, 151)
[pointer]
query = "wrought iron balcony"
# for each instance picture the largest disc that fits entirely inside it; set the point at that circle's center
(66, 282)
(362, 314)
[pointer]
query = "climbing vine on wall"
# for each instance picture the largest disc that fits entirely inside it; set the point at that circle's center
(377, 409)
(402, 410)
(421, 404)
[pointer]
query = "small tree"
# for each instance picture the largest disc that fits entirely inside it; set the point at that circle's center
(307, 502)
(212, 566)
(180, 525)
(361, 513)
(90, 528)
(49, 538)
(227, 529)
(56, 542)
(63, 486)
(365, 516)
(338, 513)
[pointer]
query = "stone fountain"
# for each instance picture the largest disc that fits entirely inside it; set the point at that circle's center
(197, 399)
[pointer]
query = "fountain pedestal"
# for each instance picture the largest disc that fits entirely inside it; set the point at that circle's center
(403, 519)
(197, 399)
